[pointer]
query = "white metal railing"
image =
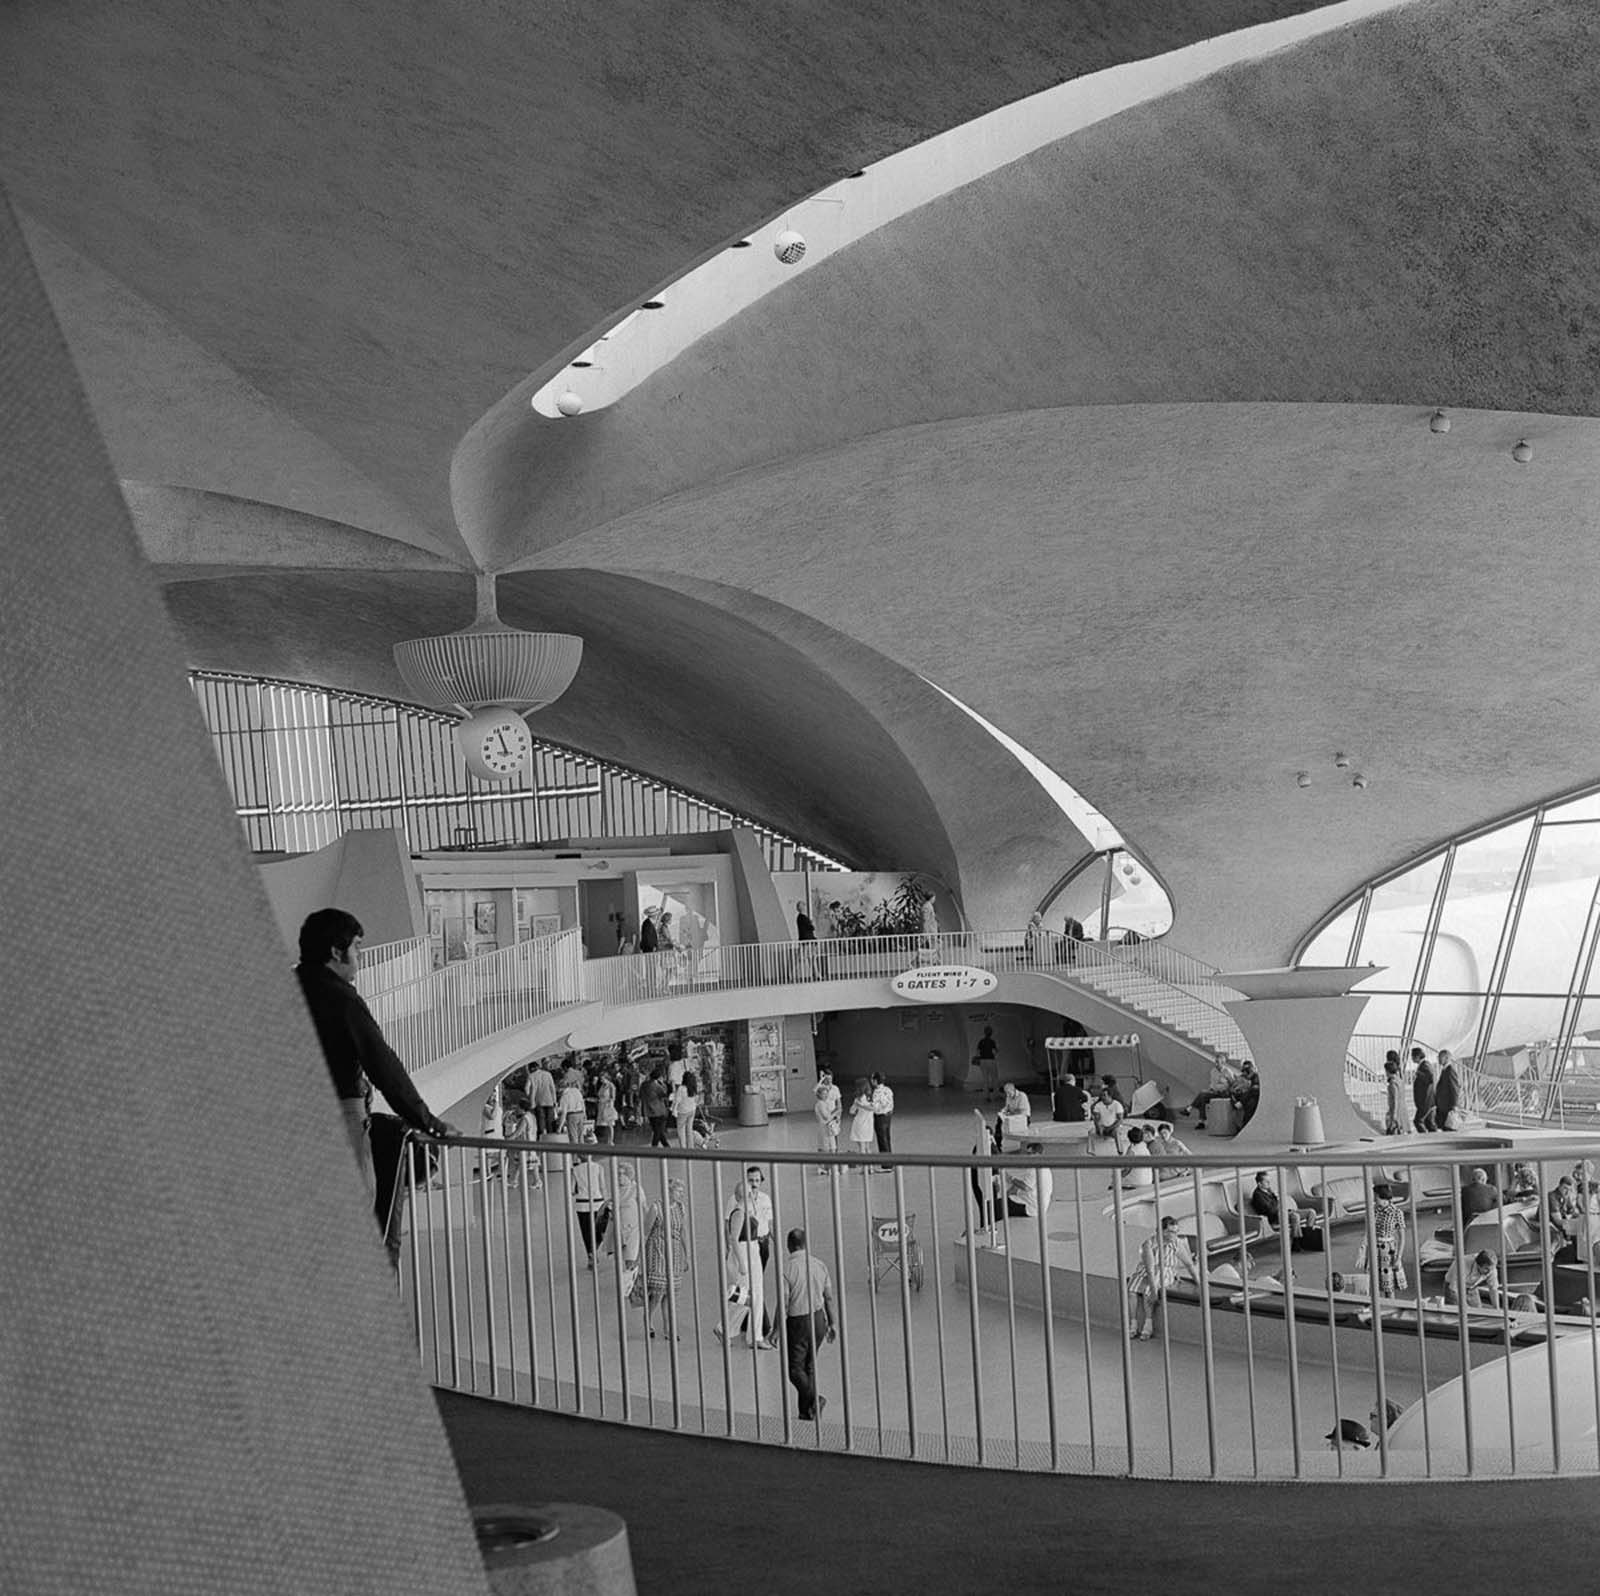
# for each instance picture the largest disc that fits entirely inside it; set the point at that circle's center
(433, 1014)
(387, 964)
(1367, 1089)
(1008, 1344)
(1144, 977)
(440, 1013)
(1500, 1099)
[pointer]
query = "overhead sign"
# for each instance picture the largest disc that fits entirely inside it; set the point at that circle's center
(944, 983)
(1087, 1044)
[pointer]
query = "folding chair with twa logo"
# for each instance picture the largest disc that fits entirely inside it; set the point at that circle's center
(895, 1246)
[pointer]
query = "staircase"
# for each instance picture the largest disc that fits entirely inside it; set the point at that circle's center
(1173, 989)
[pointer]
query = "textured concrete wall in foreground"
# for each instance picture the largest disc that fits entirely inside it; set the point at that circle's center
(205, 1381)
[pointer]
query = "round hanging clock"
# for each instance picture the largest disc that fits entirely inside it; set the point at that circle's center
(495, 743)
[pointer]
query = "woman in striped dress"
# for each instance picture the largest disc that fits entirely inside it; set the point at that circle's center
(1162, 1259)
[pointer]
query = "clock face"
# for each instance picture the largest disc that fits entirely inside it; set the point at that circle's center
(495, 743)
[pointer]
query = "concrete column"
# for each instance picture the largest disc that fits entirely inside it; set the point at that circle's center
(1298, 1023)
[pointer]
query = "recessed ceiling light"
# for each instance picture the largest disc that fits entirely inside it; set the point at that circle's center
(1523, 452)
(654, 304)
(1438, 422)
(582, 363)
(744, 243)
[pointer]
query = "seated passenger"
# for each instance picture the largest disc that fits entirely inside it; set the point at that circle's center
(1138, 1173)
(1265, 1202)
(1162, 1258)
(1106, 1115)
(1220, 1085)
(1565, 1213)
(1167, 1145)
(1015, 1113)
(1474, 1281)
(1028, 1191)
(1524, 1181)
(1071, 1101)
(1479, 1196)
(1247, 1091)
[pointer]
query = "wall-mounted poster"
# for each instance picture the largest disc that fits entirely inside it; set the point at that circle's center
(544, 925)
(483, 917)
(435, 919)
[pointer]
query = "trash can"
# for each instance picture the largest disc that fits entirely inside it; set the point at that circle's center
(752, 1106)
(1220, 1120)
(936, 1068)
(1307, 1123)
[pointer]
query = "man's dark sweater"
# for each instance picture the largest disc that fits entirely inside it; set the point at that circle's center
(354, 1048)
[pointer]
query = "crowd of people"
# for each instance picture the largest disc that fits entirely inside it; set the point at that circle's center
(601, 1096)
(1435, 1093)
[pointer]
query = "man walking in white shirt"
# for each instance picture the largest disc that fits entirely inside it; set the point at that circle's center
(809, 1318)
(542, 1095)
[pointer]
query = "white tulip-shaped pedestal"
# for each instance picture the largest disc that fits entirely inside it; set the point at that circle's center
(1298, 1023)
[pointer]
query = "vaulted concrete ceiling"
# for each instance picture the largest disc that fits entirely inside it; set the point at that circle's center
(1097, 443)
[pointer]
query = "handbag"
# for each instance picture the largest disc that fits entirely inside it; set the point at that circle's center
(1452, 1120)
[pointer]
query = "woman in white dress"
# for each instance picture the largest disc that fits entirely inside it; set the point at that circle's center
(747, 1302)
(863, 1138)
(627, 1224)
(685, 1105)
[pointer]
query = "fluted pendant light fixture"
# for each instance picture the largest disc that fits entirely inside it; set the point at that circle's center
(493, 675)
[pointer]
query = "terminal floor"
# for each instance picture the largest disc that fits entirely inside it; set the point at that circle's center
(702, 1517)
(1169, 1436)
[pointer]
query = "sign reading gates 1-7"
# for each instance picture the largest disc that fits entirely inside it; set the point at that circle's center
(944, 983)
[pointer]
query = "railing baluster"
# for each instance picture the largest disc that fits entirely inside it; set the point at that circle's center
(905, 1308)
(938, 1307)
(527, 1169)
(1083, 1314)
(468, 1302)
(1120, 1240)
(872, 1270)
(841, 1283)
(974, 1333)
(1048, 1307)
(450, 1272)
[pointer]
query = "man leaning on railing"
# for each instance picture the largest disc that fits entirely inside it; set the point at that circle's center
(353, 1046)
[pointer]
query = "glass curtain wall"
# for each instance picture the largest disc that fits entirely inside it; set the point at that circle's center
(306, 764)
(1487, 946)
(1111, 894)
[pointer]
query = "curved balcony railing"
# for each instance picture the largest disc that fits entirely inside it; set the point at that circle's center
(1166, 986)
(1498, 1099)
(429, 1016)
(966, 1337)
(387, 964)
(440, 1013)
